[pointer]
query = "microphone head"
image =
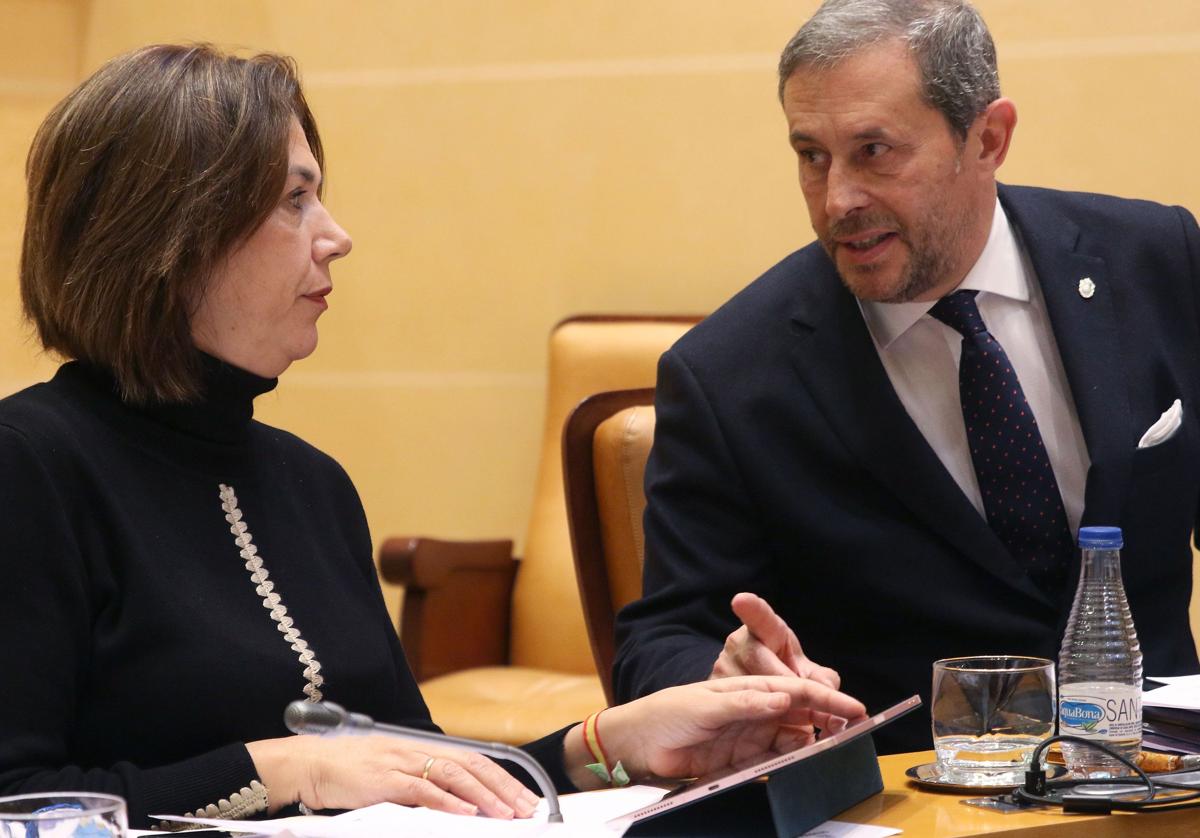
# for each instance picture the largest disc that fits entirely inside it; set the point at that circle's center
(313, 717)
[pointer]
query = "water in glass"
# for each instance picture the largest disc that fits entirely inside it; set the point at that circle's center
(989, 713)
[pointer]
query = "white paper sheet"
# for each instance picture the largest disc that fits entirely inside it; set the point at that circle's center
(584, 814)
(1182, 691)
(840, 829)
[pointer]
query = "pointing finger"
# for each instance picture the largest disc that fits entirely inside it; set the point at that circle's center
(762, 621)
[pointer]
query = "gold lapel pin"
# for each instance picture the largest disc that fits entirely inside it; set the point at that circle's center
(1087, 288)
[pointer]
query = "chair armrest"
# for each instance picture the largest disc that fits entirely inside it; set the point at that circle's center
(456, 602)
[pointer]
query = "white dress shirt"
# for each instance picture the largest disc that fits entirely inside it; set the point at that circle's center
(920, 355)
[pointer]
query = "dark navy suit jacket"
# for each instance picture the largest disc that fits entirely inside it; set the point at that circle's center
(784, 463)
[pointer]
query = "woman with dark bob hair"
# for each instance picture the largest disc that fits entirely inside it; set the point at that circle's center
(175, 572)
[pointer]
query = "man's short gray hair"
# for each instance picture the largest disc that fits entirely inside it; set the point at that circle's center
(947, 38)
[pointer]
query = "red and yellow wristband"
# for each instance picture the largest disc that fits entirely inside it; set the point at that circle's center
(615, 776)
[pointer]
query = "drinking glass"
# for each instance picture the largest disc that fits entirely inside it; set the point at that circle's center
(989, 713)
(65, 814)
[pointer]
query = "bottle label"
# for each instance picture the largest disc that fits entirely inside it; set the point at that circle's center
(1100, 710)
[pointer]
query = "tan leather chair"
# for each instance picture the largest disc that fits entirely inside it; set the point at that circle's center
(1194, 610)
(605, 445)
(501, 650)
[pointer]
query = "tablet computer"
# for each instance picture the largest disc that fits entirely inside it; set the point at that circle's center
(729, 778)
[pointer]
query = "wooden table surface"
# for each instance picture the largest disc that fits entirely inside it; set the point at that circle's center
(935, 814)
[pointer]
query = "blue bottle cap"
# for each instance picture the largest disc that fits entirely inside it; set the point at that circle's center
(1106, 538)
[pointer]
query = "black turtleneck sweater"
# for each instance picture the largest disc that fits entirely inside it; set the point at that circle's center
(135, 651)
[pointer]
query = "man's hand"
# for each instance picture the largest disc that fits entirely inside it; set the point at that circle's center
(764, 645)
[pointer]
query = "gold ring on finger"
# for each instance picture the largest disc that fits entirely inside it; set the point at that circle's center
(425, 770)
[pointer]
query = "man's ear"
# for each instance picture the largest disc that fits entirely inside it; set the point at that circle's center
(994, 128)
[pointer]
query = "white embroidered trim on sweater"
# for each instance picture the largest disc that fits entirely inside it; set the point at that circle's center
(266, 589)
(242, 804)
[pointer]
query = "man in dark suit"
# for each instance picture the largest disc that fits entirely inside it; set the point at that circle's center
(812, 444)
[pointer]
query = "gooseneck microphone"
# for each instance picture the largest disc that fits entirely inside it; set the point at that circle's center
(327, 718)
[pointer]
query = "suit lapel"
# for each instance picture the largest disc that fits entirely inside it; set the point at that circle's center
(1086, 331)
(837, 362)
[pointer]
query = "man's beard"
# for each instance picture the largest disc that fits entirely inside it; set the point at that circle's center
(931, 252)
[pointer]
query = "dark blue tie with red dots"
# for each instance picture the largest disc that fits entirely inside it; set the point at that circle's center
(1020, 494)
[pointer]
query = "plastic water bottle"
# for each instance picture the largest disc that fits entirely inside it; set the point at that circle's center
(1100, 664)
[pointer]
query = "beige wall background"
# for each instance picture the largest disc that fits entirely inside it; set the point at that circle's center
(504, 163)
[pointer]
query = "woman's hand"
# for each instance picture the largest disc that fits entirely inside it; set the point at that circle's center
(354, 771)
(695, 729)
